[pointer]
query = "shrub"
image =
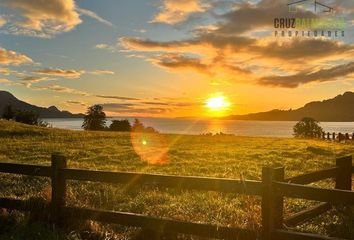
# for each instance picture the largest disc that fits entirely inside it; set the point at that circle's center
(139, 127)
(9, 113)
(120, 126)
(27, 117)
(307, 128)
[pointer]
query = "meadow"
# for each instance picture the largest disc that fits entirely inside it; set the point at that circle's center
(225, 156)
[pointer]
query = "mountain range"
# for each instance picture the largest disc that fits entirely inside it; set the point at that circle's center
(337, 109)
(7, 98)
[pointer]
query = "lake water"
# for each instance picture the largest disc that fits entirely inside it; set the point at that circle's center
(195, 127)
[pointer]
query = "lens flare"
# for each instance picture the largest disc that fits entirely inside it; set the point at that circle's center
(151, 147)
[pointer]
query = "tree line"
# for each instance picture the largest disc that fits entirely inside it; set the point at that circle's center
(95, 120)
(23, 116)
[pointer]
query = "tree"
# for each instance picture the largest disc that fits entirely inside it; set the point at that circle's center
(9, 113)
(138, 126)
(307, 128)
(95, 118)
(27, 117)
(120, 126)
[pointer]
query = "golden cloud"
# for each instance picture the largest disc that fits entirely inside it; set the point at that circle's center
(177, 11)
(28, 81)
(322, 75)
(102, 72)
(61, 89)
(4, 80)
(60, 72)
(2, 21)
(12, 58)
(45, 17)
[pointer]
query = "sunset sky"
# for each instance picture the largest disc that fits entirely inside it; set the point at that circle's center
(168, 57)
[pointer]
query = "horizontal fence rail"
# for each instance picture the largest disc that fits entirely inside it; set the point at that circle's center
(272, 190)
(314, 176)
(182, 182)
(26, 169)
(307, 214)
(333, 196)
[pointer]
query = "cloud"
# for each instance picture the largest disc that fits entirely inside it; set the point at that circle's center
(71, 102)
(4, 80)
(171, 103)
(322, 75)
(43, 18)
(61, 89)
(177, 11)
(106, 47)
(93, 15)
(60, 72)
(102, 72)
(232, 51)
(2, 21)
(178, 62)
(28, 81)
(124, 108)
(8, 57)
(250, 17)
(101, 46)
(5, 71)
(117, 97)
(304, 49)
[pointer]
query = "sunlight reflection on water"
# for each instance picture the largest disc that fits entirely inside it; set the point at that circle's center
(192, 126)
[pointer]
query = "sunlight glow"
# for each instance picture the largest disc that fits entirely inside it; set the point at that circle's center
(217, 105)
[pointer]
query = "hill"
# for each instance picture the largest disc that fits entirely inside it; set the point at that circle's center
(337, 109)
(7, 98)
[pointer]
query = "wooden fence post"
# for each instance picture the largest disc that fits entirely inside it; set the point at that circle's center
(347, 136)
(344, 176)
(58, 187)
(272, 202)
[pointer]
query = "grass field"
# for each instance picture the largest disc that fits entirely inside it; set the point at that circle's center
(215, 156)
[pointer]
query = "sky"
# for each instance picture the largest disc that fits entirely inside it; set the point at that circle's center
(168, 58)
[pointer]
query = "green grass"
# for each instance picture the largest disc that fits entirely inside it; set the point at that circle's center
(214, 156)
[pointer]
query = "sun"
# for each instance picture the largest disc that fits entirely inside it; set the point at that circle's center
(218, 105)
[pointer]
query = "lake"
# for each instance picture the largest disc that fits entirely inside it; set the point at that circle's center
(196, 127)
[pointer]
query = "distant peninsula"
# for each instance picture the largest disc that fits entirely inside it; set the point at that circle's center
(7, 98)
(337, 109)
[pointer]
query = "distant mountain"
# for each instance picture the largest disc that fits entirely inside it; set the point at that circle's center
(7, 98)
(337, 109)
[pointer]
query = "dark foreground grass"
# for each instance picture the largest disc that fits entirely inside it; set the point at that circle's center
(214, 156)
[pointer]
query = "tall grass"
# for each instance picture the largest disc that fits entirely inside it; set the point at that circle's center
(215, 156)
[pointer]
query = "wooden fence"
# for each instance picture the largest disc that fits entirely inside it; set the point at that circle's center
(273, 188)
(336, 136)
